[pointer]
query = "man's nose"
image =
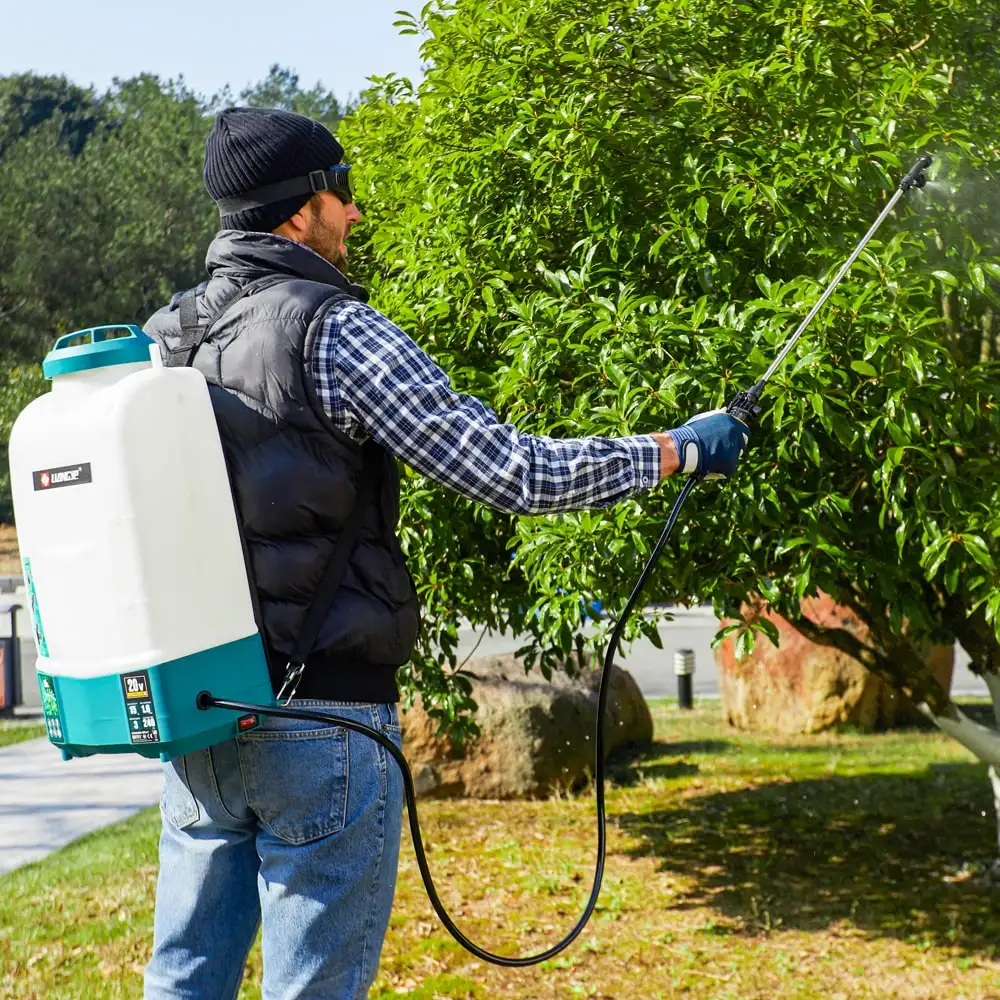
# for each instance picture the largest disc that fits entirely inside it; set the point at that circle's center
(353, 213)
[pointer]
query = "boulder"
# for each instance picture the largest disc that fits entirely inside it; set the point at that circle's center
(536, 736)
(801, 687)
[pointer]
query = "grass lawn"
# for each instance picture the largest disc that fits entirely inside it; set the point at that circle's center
(16, 731)
(840, 867)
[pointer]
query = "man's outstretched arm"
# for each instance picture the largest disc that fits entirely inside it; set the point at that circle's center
(374, 380)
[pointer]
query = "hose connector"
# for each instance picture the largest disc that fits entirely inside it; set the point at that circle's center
(916, 177)
(744, 405)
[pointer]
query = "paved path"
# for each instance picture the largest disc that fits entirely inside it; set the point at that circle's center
(45, 802)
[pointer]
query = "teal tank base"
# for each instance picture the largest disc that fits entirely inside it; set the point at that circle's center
(153, 712)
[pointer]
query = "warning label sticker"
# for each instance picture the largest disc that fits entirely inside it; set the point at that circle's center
(139, 707)
(50, 708)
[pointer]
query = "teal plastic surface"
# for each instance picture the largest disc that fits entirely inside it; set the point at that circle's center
(86, 716)
(98, 349)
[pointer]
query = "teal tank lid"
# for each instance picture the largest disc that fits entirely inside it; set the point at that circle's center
(98, 347)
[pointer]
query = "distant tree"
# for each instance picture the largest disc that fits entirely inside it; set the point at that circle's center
(28, 100)
(19, 385)
(68, 115)
(109, 234)
(281, 89)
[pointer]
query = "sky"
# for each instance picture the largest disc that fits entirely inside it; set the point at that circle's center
(337, 42)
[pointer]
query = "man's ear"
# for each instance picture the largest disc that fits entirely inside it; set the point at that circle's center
(297, 226)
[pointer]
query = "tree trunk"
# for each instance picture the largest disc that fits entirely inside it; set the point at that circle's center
(993, 683)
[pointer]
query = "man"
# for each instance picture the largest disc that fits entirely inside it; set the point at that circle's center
(296, 826)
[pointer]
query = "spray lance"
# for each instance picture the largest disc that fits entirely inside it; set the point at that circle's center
(745, 406)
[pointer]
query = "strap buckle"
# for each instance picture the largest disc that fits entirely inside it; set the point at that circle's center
(293, 674)
(318, 181)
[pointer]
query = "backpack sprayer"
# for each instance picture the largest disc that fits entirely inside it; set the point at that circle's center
(122, 680)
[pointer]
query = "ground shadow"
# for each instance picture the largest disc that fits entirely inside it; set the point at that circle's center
(630, 764)
(889, 853)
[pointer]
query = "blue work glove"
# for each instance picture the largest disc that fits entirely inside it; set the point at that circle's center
(710, 443)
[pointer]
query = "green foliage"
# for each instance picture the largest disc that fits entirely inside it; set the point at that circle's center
(605, 218)
(110, 232)
(18, 387)
(27, 101)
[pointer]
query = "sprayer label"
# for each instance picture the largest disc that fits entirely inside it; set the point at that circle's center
(36, 614)
(50, 708)
(139, 708)
(67, 475)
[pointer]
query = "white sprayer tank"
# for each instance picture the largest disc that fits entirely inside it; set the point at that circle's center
(133, 561)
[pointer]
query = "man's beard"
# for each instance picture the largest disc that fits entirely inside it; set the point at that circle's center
(323, 240)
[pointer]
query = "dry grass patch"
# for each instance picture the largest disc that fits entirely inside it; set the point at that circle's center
(10, 558)
(842, 868)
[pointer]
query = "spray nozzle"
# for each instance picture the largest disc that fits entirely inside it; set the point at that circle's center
(916, 177)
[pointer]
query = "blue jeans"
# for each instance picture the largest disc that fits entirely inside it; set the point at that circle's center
(294, 827)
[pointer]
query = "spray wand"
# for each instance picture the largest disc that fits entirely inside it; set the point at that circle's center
(745, 406)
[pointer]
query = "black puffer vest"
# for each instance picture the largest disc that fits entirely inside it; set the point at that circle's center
(295, 475)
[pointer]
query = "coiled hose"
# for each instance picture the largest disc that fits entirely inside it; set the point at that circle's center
(207, 700)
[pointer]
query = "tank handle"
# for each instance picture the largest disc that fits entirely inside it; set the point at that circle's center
(97, 334)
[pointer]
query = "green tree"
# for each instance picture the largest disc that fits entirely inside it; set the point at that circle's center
(19, 385)
(28, 100)
(280, 89)
(109, 234)
(605, 218)
(68, 115)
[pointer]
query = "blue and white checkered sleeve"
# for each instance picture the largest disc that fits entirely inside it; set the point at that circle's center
(372, 378)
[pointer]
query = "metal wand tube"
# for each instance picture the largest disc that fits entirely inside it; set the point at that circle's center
(803, 326)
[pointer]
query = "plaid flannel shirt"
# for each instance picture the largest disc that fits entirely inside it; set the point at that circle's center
(374, 381)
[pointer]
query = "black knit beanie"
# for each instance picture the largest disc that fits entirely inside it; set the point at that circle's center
(251, 147)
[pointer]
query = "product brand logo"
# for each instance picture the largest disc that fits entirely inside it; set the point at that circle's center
(67, 475)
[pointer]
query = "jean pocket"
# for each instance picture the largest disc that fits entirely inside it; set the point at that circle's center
(177, 803)
(388, 717)
(296, 781)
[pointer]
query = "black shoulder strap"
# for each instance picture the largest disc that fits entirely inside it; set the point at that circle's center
(333, 575)
(193, 333)
(189, 313)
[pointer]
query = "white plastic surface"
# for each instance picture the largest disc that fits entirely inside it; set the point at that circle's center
(143, 564)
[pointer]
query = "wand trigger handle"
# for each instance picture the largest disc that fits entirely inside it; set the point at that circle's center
(745, 406)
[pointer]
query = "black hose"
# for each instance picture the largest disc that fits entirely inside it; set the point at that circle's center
(207, 700)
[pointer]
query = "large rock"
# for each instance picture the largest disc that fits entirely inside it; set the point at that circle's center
(536, 736)
(801, 687)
